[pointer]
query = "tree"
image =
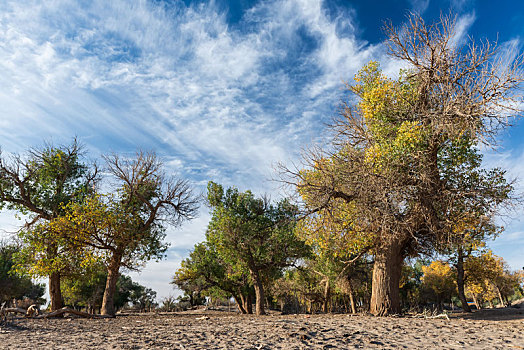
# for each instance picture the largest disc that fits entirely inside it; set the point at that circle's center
(38, 185)
(483, 270)
(337, 245)
(168, 304)
(12, 284)
(253, 233)
(143, 298)
(85, 288)
(194, 280)
(411, 290)
(126, 228)
(206, 269)
(438, 277)
(403, 155)
(508, 284)
(471, 231)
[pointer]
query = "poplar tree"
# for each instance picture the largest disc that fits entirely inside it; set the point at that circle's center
(38, 185)
(255, 234)
(402, 154)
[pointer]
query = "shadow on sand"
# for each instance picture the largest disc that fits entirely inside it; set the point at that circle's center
(498, 314)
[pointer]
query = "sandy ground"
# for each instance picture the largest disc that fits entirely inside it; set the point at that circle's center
(487, 329)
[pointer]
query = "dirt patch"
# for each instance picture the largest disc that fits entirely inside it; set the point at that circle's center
(223, 330)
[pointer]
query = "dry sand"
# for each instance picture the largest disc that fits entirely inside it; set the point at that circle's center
(487, 329)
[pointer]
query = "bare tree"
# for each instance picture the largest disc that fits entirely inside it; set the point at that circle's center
(156, 200)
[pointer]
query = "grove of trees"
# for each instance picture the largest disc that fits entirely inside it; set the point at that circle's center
(73, 228)
(402, 178)
(15, 285)
(392, 215)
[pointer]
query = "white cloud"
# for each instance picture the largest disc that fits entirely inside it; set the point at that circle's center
(462, 26)
(218, 101)
(187, 81)
(419, 6)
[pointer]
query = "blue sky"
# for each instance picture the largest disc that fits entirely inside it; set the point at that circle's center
(221, 90)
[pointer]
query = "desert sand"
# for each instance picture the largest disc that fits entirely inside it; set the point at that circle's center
(199, 329)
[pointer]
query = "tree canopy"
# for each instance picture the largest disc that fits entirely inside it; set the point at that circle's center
(38, 185)
(405, 155)
(247, 236)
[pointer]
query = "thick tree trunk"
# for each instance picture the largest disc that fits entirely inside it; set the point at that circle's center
(259, 293)
(55, 292)
(108, 307)
(385, 289)
(327, 295)
(460, 281)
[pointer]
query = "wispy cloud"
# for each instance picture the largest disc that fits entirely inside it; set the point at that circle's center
(419, 6)
(464, 22)
(217, 101)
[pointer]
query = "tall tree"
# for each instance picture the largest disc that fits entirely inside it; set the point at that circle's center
(471, 232)
(126, 228)
(251, 231)
(86, 288)
(485, 275)
(38, 185)
(397, 153)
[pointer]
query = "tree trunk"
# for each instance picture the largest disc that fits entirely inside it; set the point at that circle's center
(351, 298)
(385, 289)
(240, 303)
(500, 297)
(108, 307)
(55, 292)
(327, 294)
(259, 293)
(248, 303)
(460, 281)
